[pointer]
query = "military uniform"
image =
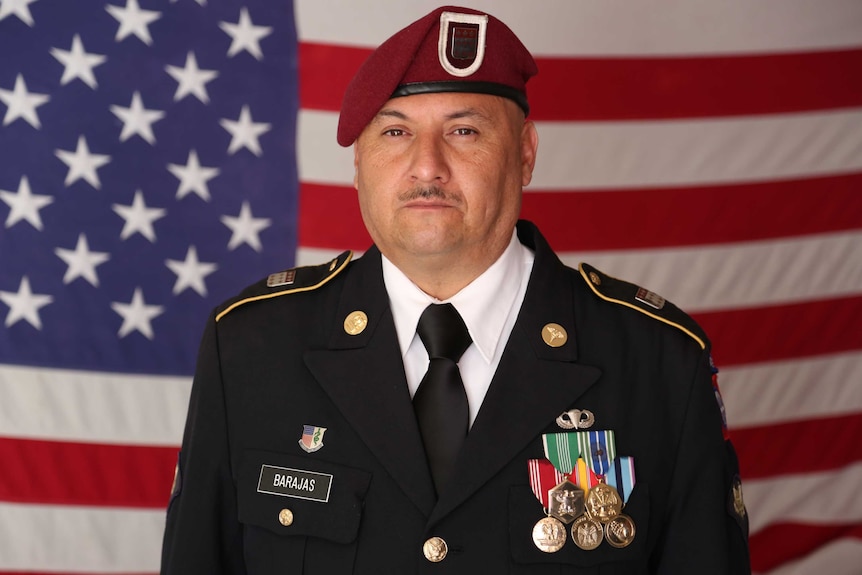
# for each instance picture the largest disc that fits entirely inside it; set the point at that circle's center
(302, 453)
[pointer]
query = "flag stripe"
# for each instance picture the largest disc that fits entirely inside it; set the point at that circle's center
(779, 332)
(67, 539)
(623, 88)
(782, 449)
(571, 27)
(820, 498)
(775, 392)
(62, 473)
(78, 406)
(794, 541)
(579, 221)
(614, 155)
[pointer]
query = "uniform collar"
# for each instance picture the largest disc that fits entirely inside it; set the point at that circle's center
(484, 304)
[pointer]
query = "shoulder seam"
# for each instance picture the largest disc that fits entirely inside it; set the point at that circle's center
(237, 304)
(643, 311)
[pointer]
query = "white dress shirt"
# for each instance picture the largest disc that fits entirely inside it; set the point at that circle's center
(489, 306)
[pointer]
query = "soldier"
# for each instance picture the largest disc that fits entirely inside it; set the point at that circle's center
(410, 410)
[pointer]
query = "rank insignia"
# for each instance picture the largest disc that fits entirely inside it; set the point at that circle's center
(312, 438)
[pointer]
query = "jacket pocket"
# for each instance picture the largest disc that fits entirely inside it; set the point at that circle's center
(299, 512)
(525, 511)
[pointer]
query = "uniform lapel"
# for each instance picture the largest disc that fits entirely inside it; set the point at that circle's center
(364, 377)
(534, 382)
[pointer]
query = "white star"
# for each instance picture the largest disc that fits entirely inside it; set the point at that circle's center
(24, 304)
(137, 120)
(82, 164)
(245, 35)
(244, 132)
(23, 205)
(139, 218)
(200, 2)
(133, 20)
(192, 80)
(19, 8)
(245, 228)
(193, 177)
(78, 64)
(137, 315)
(191, 272)
(22, 104)
(82, 262)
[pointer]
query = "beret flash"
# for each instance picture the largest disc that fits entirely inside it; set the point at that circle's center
(450, 50)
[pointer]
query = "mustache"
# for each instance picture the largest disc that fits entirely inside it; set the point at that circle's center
(428, 193)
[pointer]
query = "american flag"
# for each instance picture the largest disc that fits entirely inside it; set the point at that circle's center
(149, 152)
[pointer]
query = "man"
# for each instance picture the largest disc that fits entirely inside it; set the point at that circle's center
(575, 429)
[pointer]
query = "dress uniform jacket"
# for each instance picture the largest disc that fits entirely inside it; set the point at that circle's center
(248, 498)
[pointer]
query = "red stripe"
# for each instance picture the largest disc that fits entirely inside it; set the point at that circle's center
(568, 89)
(623, 219)
(783, 332)
(782, 449)
(783, 542)
(59, 473)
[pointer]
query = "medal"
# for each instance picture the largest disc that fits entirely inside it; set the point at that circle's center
(598, 448)
(620, 531)
(562, 450)
(549, 535)
(587, 533)
(566, 501)
(585, 477)
(603, 503)
(621, 476)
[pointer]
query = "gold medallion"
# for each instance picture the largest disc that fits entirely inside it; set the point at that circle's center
(566, 501)
(549, 535)
(554, 335)
(620, 531)
(603, 503)
(355, 323)
(587, 533)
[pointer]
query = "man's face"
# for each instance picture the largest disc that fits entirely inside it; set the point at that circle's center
(440, 176)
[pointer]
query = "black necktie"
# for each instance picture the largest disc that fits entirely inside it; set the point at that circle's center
(440, 402)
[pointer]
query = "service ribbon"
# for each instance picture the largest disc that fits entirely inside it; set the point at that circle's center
(585, 477)
(598, 448)
(543, 477)
(621, 476)
(562, 450)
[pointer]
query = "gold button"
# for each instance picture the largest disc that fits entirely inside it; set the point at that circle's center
(435, 549)
(285, 517)
(594, 277)
(554, 335)
(355, 323)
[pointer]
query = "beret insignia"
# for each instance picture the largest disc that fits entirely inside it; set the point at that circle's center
(461, 47)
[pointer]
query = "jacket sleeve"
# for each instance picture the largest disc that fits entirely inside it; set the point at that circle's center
(202, 533)
(706, 524)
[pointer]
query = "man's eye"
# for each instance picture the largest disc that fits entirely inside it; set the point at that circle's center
(464, 132)
(393, 132)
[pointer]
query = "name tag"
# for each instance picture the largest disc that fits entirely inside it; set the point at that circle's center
(294, 483)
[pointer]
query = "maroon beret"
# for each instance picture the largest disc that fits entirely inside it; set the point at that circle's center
(450, 50)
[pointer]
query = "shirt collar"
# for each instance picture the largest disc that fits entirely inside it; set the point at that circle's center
(484, 304)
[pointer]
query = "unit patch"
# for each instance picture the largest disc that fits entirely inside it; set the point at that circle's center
(296, 483)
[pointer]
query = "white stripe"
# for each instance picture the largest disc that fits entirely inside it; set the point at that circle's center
(638, 154)
(67, 405)
(836, 557)
(79, 539)
(731, 276)
(726, 276)
(794, 390)
(828, 498)
(612, 27)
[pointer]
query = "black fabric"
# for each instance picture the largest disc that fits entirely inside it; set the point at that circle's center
(441, 402)
(472, 87)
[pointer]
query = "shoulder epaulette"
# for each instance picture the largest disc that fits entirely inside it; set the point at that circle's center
(290, 281)
(649, 303)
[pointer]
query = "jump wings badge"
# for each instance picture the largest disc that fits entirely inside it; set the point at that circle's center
(312, 438)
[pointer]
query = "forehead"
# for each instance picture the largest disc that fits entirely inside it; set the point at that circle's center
(446, 105)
